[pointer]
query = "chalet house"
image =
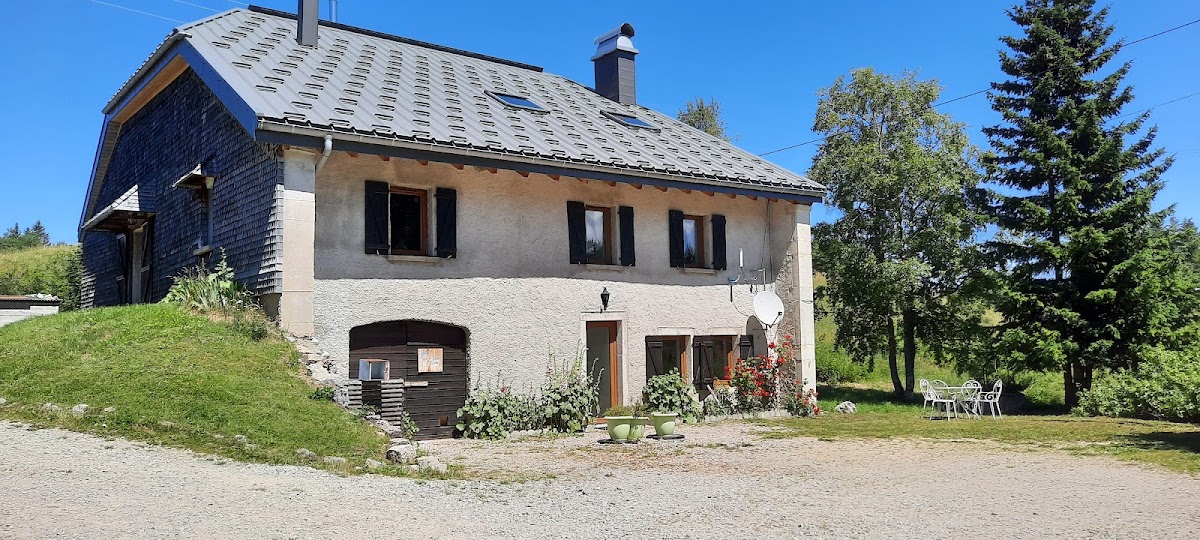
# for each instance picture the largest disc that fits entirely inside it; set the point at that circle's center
(443, 217)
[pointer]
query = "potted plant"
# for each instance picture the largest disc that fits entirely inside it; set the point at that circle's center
(619, 420)
(637, 428)
(664, 423)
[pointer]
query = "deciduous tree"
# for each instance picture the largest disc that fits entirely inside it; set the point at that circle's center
(898, 173)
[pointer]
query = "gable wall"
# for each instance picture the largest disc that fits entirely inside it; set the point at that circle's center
(184, 125)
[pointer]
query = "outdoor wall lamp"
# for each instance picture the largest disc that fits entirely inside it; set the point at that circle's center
(604, 299)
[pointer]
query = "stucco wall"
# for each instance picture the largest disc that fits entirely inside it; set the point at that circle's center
(512, 286)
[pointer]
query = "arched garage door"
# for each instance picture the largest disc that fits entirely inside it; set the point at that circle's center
(433, 393)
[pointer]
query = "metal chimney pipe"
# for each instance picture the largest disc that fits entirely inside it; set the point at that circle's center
(333, 10)
(306, 22)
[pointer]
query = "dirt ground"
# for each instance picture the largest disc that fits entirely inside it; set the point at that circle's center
(721, 481)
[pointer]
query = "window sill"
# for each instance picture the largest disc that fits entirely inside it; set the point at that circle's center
(708, 271)
(421, 259)
(603, 267)
(202, 251)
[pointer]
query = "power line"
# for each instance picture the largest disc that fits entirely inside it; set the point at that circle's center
(985, 90)
(206, 8)
(1160, 105)
(147, 13)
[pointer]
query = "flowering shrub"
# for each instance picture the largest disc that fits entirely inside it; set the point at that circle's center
(800, 402)
(757, 380)
(569, 396)
(492, 413)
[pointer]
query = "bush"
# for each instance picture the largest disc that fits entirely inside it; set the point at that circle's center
(1164, 387)
(569, 396)
(254, 325)
(723, 401)
(801, 402)
(489, 414)
(215, 291)
(836, 367)
(670, 393)
(322, 393)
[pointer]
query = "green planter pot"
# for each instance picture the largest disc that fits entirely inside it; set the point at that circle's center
(664, 423)
(637, 429)
(618, 427)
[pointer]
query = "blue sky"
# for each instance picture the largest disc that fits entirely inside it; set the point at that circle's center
(63, 59)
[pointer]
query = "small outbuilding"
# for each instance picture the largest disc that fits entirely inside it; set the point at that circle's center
(18, 307)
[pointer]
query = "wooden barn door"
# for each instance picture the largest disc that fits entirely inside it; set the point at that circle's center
(431, 358)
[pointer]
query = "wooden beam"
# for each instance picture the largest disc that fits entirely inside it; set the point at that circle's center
(731, 195)
(685, 190)
(423, 161)
(491, 170)
(353, 154)
(523, 173)
(458, 166)
(772, 199)
(164, 77)
(753, 197)
(385, 158)
(581, 180)
(709, 193)
(660, 188)
(636, 186)
(611, 183)
(554, 177)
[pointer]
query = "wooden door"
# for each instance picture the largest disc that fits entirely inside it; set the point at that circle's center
(602, 361)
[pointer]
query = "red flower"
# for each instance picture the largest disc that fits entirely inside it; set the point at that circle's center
(771, 345)
(787, 337)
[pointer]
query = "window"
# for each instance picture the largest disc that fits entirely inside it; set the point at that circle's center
(516, 101)
(598, 224)
(397, 221)
(373, 369)
(407, 215)
(630, 120)
(665, 354)
(693, 241)
(690, 242)
(712, 361)
(591, 234)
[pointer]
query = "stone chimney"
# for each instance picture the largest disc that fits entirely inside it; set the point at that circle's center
(615, 77)
(306, 22)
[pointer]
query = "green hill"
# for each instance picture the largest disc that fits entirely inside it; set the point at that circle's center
(176, 378)
(43, 269)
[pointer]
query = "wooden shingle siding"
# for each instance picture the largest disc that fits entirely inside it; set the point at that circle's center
(182, 126)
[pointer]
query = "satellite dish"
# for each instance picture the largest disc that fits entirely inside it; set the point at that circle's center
(768, 307)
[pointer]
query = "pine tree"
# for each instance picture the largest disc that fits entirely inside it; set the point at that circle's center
(1076, 182)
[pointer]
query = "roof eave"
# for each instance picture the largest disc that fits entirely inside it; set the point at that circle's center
(271, 132)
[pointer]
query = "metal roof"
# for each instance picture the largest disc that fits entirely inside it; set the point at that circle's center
(368, 87)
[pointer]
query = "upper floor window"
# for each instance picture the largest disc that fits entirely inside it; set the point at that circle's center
(598, 224)
(397, 221)
(408, 219)
(592, 234)
(691, 244)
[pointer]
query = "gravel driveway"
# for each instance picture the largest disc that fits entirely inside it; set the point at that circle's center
(723, 481)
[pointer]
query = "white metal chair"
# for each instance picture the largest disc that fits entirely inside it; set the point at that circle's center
(924, 394)
(939, 394)
(992, 399)
(971, 392)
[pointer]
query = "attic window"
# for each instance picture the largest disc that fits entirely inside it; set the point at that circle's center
(630, 120)
(516, 101)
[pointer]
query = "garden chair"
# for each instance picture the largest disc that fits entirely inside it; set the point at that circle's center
(940, 394)
(992, 399)
(971, 392)
(924, 394)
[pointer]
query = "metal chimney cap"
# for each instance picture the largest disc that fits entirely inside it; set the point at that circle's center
(625, 29)
(616, 39)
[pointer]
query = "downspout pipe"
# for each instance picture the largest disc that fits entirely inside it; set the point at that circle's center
(325, 153)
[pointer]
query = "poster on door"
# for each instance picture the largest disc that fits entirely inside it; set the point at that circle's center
(429, 360)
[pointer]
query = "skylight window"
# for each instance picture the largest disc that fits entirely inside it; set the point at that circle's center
(516, 101)
(630, 120)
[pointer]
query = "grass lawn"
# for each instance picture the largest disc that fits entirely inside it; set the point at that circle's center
(175, 378)
(1171, 445)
